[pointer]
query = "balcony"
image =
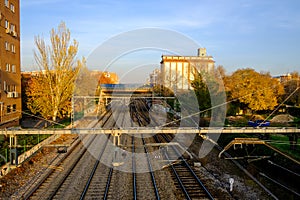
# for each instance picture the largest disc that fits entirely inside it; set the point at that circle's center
(12, 95)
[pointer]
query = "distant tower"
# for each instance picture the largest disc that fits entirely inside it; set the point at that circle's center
(202, 52)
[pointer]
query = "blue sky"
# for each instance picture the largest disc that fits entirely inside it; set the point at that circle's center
(260, 34)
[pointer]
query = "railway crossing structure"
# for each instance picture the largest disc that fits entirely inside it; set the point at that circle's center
(156, 130)
(116, 133)
(122, 92)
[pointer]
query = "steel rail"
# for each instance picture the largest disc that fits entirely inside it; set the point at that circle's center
(139, 118)
(151, 171)
(279, 184)
(28, 195)
(134, 171)
(61, 182)
(186, 194)
(96, 166)
(191, 171)
(36, 187)
(105, 196)
(93, 172)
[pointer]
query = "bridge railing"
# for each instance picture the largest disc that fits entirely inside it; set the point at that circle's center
(153, 130)
(126, 86)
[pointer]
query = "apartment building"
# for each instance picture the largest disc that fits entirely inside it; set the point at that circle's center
(10, 73)
(177, 72)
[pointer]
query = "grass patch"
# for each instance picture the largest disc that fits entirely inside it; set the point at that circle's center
(26, 141)
(61, 124)
(282, 143)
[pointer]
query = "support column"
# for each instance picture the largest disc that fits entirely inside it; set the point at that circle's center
(13, 150)
(72, 114)
(116, 138)
(119, 139)
(84, 106)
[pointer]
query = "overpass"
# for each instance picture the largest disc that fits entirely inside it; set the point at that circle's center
(120, 90)
(15, 159)
(157, 130)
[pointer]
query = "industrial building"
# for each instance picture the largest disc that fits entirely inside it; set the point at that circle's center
(177, 72)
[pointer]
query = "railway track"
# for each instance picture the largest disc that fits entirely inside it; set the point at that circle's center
(55, 184)
(101, 171)
(189, 183)
(185, 176)
(144, 183)
(100, 177)
(187, 180)
(48, 187)
(103, 176)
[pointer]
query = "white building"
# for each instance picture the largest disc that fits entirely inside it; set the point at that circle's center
(177, 72)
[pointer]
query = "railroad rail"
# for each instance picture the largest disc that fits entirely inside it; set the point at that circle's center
(92, 174)
(51, 184)
(134, 182)
(151, 172)
(102, 180)
(190, 184)
(53, 180)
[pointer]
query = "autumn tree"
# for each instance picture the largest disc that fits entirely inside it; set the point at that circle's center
(292, 91)
(257, 91)
(50, 91)
(209, 89)
(202, 92)
(220, 72)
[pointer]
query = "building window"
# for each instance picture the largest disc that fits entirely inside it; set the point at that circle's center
(13, 68)
(13, 48)
(14, 107)
(7, 46)
(8, 109)
(6, 2)
(12, 7)
(13, 88)
(7, 68)
(6, 24)
(4, 86)
(12, 28)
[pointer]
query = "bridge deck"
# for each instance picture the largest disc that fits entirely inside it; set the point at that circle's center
(216, 130)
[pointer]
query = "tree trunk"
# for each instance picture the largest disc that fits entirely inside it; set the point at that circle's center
(54, 115)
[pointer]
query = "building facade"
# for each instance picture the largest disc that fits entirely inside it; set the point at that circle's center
(154, 78)
(10, 70)
(177, 72)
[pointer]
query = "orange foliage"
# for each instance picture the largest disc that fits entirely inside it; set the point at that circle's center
(108, 78)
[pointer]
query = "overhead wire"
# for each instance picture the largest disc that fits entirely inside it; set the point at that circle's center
(41, 118)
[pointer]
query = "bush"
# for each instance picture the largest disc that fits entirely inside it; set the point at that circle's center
(294, 111)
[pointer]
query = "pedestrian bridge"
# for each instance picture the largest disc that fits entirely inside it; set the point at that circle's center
(109, 90)
(158, 130)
